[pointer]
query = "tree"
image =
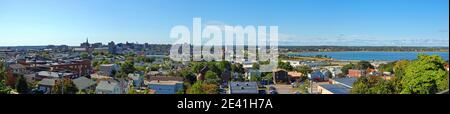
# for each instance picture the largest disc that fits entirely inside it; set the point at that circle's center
(213, 67)
(22, 85)
(3, 88)
(361, 86)
(399, 71)
(304, 86)
(224, 65)
(68, 87)
(211, 78)
(188, 75)
(84, 55)
(363, 65)
(426, 75)
(200, 87)
(196, 88)
(304, 70)
(285, 66)
(383, 87)
(389, 67)
(346, 67)
(128, 67)
(2, 71)
(268, 77)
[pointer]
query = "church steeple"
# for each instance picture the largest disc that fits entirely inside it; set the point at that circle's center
(87, 40)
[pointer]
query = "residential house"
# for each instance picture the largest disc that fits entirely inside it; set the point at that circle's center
(332, 89)
(46, 85)
(165, 87)
(18, 68)
(109, 87)
(294, 76)
(51, 75)
(108, 69)
(280, 76)
(355, 73)
(347, 82)
(83, 83)
(335, 70)
(243, 88)
(316, 76)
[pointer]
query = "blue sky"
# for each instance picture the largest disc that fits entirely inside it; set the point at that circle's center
(301, 22)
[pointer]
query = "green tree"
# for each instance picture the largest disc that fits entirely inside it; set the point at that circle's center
(399, 71)
(304, 86)
(2, 71)
(200, 87)
(84, 55)
(304, 70)
(22, 85)
(383, 87)
(224, 65)
(128, 67)
(211, 78)
(3, 88)
(426, 75)
(68, 87)
(389, 67)
(268, 77)
(285, 66)
(346, 67)
(363, 65)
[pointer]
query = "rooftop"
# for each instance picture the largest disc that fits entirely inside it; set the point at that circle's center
(243, 88)
(83, 82)
(47, 82)
(347, 82)
(336, 88)
(164, 82)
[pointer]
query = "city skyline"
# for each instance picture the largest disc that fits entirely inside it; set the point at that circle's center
(301, 23)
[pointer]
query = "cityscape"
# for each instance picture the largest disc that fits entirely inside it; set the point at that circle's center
(133, 68)
(315, 47)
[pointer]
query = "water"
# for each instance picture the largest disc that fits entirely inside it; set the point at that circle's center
(368, 55)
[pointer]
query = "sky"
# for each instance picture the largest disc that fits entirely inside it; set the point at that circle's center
(300, 22)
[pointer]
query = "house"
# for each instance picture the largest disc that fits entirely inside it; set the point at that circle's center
(294, 75)
(165, 87)
(51, 75)
(17, 68)
(346, 82)
(137, 80)
(108, 69)
(46, 85)
(316, 76)
(332, 89)
(280, 76)
(108, 87)
(83, 83)
(355, 73)
(164, 78)
(243, 88)
(335, 70)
